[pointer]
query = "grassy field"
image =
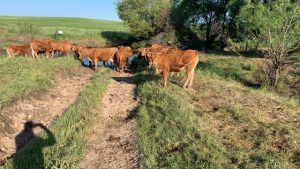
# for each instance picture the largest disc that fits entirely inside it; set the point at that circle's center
(226, 121)
(81, 23)
(67, 136)
(22, 76)
(90, 32)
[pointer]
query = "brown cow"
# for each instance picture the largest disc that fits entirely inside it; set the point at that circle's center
(103, 54)
(83, 51)
(38, 45)
(95, 54)
(14, 50)
(122, 56)
(175, 61)
(61, 46)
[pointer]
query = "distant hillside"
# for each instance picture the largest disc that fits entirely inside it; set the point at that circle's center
(64, 22)
(87, 32)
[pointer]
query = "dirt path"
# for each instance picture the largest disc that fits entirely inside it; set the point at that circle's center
(40, 108)
(113, 140)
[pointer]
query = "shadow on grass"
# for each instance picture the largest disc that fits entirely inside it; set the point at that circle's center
(128, 80)
(146, 76)
(117, 38)
(247, 54)
(31, 156)
(226, 72)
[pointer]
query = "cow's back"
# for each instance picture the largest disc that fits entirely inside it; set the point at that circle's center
(105, 54)
(188, 55)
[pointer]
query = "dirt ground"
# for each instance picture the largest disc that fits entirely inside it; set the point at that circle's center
(39, 108)
(113, 140)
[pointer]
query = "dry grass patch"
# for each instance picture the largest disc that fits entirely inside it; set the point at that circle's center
(256, 130)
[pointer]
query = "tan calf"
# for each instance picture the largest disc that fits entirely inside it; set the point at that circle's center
(15, 50)
(176, 61)
(122, 56)
(43, 45)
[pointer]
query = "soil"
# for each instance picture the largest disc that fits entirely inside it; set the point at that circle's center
(41, 108)
(112, 143)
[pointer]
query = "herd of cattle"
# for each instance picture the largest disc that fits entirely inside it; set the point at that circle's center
(163, 59)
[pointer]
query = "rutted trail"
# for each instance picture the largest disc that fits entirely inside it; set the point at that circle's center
(40, 108)
(113, 140)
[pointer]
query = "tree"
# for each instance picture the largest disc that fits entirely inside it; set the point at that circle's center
(207, 17)
(276, 26)
(146, 18)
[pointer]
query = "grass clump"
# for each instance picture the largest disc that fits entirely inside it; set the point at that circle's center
(235, 112)
(22, 76)
(70, 132)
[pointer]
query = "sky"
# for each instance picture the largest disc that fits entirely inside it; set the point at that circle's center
(96, 9)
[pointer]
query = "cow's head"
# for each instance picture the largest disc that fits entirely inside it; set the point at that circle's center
(150, 56)
(78, 50)
(142, 51)
(74, 47)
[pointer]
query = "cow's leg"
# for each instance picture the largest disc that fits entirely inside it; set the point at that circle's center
(165, 77)
(35, 55)
(96, 64)
(9, 55)
(191, 78)
(187, 80)
(90, 63)
(122, 68)
(192, 72)
(47, 54)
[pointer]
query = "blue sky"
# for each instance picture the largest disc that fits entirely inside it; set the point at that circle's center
(97, 9)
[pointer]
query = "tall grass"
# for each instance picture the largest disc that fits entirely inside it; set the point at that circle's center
(22, 76)
(70, 132)
(169, 136)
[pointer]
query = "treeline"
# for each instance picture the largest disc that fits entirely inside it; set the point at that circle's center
(269, 28)
(200, 23)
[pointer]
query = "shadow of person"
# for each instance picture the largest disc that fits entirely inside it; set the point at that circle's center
(31, 156)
